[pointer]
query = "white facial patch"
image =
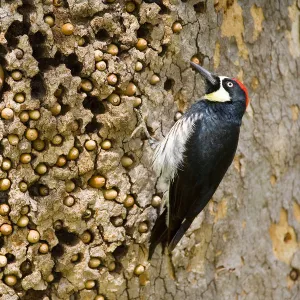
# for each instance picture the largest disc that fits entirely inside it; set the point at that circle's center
(221, 95)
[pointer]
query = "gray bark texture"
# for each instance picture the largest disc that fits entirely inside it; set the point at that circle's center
(244, 245)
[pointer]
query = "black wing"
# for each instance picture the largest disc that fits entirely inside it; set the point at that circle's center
(209, 153)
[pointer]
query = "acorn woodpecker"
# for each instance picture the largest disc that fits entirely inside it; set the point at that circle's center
(196, 153)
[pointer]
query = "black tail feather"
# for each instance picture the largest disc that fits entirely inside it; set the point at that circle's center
(159, 233)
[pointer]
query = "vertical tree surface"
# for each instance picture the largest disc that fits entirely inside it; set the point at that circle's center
(78, 197)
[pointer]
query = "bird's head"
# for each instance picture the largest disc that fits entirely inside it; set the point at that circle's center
(221, 88)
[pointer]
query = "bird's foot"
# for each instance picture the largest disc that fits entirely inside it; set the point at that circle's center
(142, 127)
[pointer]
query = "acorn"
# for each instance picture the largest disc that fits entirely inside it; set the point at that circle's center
(34, 114)
(129, 201)
(70, 186)
(13, 139)
(87, 214)
(23, 221)
(138, 66)
(61, 161)
(19, 53)
(50, 278)
(126, 161)
(112, 49)
(98, 55)
(55, 109)
(75, 258)
(154, 79)
(139, 269)
(143, 227)
(86, 237)
(38, 145)
(25, 158)
(16, 75)
(69, 201)
(101, 65)
(106, 144)
(110, 1)
(114, 99)
(44, 248)
(110, 194)
(58, 3)
(3, 261)
(90, 284)
(73, 154)
(99, 297)
(137, 102)
(58, 225)
(6, 229)
(33, 236)
(23, 186)
(49, 20)
(41, 169)
(111, 266)
(177, 116)
(117, 221)
(131, 89)
(25, 210)
(4, 184)
(4, 209)
(195, 60)
(67, 29)
(6, 164)
(10, 280)
(90, 145)
(26, 267)
(97, 181)
(112, 79)
(176, 27)
(24, 116)
(57, 140)
(81, 41)
(141, 44)
(58, 92)
(130, 7)
(94, 262)
(31, 134)
(156, 201)
(19, 98)
(86, 85)
(7, 113)
(43, 190)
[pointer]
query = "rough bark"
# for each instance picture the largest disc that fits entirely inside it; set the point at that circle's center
(245, 244)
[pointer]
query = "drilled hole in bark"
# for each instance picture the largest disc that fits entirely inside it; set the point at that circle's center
(1, 241)
(102, 35)
(33, 294)
(36, 41)
(34, 190)
(16, 29)
(200, 7)
(164, 10)
(287, 237)
(57, 251)
(94, 105)
(73, 64)
(26, 267)
(45, 63)
(93, 126)
(10, 257)
(120, 251)
(169, 83)
(144, 31)
(66, 237)
(164, 49)
(38, 89)
(4, 197)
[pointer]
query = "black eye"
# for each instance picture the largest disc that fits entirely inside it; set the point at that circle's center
(229, 84)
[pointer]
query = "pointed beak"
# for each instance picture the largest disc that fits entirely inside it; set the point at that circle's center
(207, 75)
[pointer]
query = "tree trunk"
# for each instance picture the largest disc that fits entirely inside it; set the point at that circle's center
(76, 164)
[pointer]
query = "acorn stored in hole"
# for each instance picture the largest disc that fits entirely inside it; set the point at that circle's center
(126, 161)
(4, 184)
(114, 99)
(7, 113)
(101, 65)
(19, 98)
(69, 201)
(129, 201)
(44, 248)
(31, 134)
(106, 144)
(112, 79)
(86, 237)
(139, 269)
(110, 194)
(112, 49)
(130, 6)
(177, 27)
(67, 29)
(10, 280)
(143, 227)
(156, 201)
(141, 44)
(97, 181)
(90, 145)
(94, 262)
(6, 164)
(154, 79)
(4, 209)
(49, 20)
(23, 221)
(6, 229)
(90, 284)
(33, 236)
(16, 75)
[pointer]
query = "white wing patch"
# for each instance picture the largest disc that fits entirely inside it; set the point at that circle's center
(168, 155)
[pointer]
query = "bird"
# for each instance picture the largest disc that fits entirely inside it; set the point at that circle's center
(196, 153)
